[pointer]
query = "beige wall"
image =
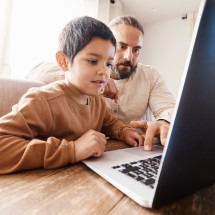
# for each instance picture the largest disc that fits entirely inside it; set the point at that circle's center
(166, 46)
(165, 43)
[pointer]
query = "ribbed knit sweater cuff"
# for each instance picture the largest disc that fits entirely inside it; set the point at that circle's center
(124, 130)
(72, 155)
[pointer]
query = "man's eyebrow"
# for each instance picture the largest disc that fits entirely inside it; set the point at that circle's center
(125, 44)
(121, 43)
(139, 47)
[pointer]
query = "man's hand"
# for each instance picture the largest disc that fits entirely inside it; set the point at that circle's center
(110, 90)
(152, 129)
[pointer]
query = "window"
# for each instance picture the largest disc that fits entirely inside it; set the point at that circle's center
(34, 29)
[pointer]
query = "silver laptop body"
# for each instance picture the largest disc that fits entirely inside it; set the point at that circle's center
(188, 159)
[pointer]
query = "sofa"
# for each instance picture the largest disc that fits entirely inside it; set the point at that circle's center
(11, 90)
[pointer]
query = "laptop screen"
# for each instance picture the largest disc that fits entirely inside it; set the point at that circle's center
(189, 160)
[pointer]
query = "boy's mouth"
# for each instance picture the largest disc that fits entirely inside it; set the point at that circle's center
(99, 83)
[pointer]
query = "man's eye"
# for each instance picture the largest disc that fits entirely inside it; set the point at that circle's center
(109, 65)
(92, 61)
(121, 46)
(136, 51)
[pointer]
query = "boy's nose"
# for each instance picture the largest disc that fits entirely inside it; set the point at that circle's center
(104, 70)
(101, 70)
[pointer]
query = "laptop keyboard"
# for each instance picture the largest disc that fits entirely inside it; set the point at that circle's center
(144, 171)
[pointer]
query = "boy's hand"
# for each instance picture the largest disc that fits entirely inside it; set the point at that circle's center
(134, 138)
(92, 143)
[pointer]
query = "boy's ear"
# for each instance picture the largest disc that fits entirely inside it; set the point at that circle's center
(62, 60)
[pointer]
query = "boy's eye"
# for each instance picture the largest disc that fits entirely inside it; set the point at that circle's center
(92, 61)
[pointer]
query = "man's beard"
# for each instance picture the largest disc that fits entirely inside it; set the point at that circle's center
(123, 73)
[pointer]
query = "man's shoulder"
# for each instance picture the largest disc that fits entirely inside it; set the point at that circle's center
(46, 72)
(145, 68)
(147, 71)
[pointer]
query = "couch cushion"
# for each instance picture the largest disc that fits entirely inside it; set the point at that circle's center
(11, 90)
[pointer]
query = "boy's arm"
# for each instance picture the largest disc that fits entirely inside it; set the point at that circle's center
(124, 132)
(117, 129)
(20, 150)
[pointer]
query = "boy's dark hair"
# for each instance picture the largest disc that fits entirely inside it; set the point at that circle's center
(127, 20)
(79, 32)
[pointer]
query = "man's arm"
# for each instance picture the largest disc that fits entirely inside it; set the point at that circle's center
(110, 90)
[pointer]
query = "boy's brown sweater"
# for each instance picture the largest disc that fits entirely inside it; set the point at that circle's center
(40, 130)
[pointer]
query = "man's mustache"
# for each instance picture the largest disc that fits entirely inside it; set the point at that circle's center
(125, 63)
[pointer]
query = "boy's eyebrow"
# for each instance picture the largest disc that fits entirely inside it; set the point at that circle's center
(98, 55)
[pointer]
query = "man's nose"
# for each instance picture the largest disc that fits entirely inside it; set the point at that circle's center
(128, 54)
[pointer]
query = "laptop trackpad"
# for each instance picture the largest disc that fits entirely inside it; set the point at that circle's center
(126, 155)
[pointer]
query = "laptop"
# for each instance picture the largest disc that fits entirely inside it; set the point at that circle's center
(187, 162)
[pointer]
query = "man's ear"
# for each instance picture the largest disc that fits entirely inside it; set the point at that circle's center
(62, 60)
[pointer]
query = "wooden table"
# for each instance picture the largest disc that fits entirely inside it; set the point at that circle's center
(76, 189)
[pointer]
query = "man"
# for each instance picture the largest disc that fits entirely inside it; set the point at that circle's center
(135, 87)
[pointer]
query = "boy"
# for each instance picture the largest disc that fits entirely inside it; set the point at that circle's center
(66, 121)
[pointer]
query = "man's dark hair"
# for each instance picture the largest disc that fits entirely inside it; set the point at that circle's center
(127, 20)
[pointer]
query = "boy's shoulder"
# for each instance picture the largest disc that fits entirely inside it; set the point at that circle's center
(49, 91)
